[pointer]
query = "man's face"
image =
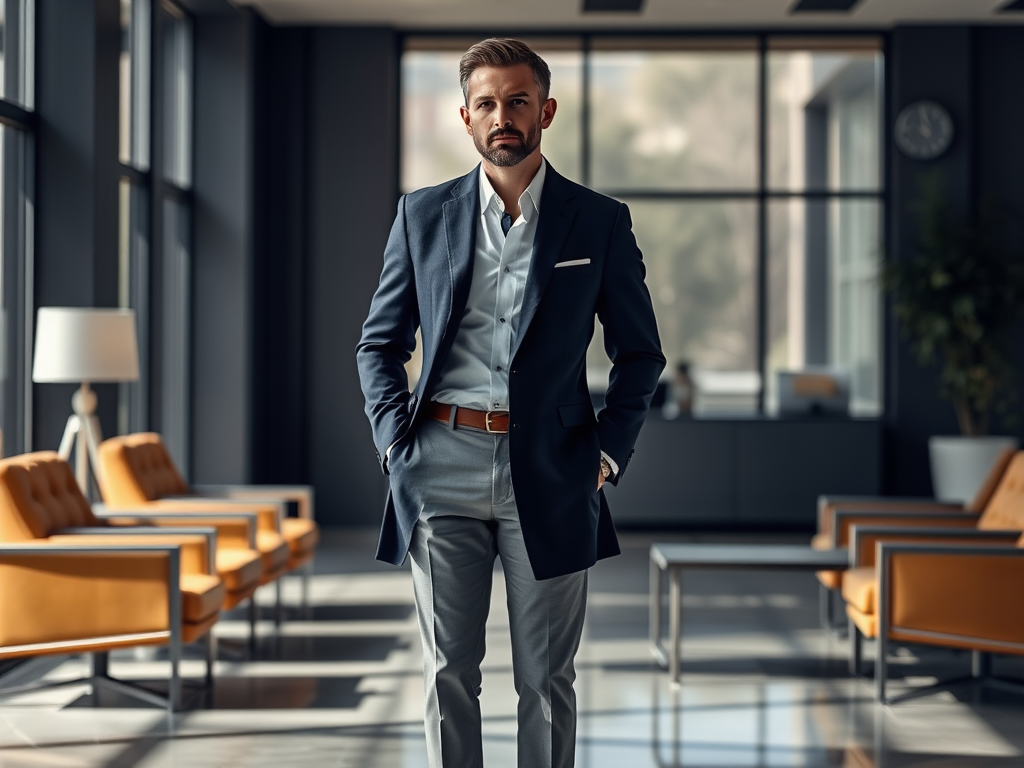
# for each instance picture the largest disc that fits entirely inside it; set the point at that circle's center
(505, 113)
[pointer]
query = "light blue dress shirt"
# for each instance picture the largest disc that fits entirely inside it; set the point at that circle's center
(475, 374)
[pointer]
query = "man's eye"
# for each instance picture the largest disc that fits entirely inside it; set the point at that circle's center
(517, 102)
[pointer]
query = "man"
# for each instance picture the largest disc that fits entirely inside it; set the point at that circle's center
(497, 452)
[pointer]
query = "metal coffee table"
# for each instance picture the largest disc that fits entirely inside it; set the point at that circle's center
(674, 558)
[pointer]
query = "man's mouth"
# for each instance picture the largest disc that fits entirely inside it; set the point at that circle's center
(505, 137)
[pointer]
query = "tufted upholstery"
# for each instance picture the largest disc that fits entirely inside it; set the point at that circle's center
(138, 469)
(84, 596)
(1005, 510)
(38, 495)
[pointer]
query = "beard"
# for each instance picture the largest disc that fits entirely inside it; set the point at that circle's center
(507, 156)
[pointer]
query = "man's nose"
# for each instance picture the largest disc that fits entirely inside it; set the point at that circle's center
(500, 119)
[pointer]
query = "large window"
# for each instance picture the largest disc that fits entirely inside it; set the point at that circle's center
(17, 36)
(176, 240)
(134, 197)
(752, 169)
(155, 220)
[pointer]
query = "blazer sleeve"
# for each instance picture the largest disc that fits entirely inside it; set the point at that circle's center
(387, 341)
(631, 342)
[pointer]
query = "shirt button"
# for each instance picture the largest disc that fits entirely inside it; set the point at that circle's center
(498, 368)
(507, 270)
(501, 319)
(497, 404)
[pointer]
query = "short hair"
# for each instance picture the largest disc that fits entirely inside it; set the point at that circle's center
(503, 52)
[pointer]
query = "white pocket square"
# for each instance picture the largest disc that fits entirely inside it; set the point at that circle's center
(572, 263)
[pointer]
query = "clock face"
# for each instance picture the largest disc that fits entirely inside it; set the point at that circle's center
(924, 130)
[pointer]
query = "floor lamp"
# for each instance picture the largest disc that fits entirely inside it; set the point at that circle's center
(84, 346)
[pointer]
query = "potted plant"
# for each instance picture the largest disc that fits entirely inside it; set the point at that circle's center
(956, 298)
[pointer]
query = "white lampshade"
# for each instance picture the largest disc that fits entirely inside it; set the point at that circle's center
(77, 344)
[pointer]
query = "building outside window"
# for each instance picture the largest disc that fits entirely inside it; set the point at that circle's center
(752, 170)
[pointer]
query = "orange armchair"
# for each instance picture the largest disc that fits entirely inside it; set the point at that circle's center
(91, 598)
(138, 472)
(70, 584)
(39, 499)
(837, 515)
(953, 595)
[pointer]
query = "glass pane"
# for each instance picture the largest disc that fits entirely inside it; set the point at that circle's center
(17, 52)
(681, 120)
(177, 79)
(701, 262)
(133, 293)
(824, 124)
(435, 146)
(823, 301)
(134, 84)
(177, 269)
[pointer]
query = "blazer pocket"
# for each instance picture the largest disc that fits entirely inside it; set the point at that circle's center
(576, 414)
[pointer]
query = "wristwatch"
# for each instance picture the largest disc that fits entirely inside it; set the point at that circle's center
(606, 468)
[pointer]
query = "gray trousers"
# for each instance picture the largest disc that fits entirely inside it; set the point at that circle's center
(461, 482)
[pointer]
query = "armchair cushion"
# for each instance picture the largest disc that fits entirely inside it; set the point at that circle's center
(201, 597)
(240, 569)
(138, 468)
(302, 535)
(860, 589)
(1005, 510)
(38, 495)
(274, 553)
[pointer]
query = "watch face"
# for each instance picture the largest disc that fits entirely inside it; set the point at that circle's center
(924, 130)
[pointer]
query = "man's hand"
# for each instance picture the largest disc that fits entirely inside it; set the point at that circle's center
(600, 478)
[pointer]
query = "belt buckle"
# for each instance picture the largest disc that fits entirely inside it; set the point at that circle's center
(487, 423)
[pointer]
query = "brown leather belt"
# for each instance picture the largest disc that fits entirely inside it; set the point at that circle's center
(495, 422)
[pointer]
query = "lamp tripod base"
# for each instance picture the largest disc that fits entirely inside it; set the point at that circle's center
(82, 434)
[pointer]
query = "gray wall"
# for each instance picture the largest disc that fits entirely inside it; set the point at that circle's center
(974, 73)
(352, 142)
(222, 318)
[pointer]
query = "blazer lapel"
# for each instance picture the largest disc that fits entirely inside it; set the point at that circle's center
(557, 211)
(460, 214)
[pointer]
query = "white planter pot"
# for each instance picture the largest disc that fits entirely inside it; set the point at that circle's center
(960, 464)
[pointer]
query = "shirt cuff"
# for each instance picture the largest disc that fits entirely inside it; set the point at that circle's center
(387, 453)
(609, 459)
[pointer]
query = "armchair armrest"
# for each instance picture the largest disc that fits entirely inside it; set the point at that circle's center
(234, 528)
(828, 505)
(301, 495)
(59, 598)
(957, 596)
(268, 511)
(846, 519)
(864, 539)
(198, 545)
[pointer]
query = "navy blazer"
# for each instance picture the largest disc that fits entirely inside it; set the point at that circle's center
(555, 439)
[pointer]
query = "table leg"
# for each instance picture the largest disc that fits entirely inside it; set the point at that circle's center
(675, 608)
(654, 615)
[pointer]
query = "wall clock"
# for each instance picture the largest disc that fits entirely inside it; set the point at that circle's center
(924, 130)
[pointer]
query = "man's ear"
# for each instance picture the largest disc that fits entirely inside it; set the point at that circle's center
(547, 112)
(464, 113)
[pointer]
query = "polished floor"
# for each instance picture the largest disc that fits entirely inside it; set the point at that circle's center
(762, 686)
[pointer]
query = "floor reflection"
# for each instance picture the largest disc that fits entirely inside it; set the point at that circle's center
(341, 685)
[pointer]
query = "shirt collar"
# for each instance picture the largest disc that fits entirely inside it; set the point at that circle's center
(529, 201)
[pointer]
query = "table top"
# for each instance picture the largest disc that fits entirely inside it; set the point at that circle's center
(749, 556)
